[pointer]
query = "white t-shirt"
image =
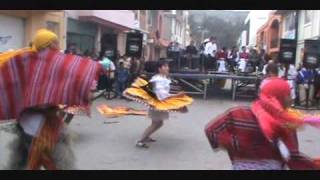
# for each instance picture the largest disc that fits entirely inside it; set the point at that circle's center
(210, 47)
(161, 86)
(292, 72)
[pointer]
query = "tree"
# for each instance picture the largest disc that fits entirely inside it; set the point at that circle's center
(226, 26)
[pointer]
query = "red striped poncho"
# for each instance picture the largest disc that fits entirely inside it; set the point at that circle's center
(48, 77)
(238, 131)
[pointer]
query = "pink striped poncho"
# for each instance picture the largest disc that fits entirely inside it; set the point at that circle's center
(48, 77)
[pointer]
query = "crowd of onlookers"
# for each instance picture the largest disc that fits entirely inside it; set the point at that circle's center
(208, 57)
(304, 80)
(122, 70)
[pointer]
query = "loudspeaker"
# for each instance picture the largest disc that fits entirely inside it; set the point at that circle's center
(134, 44)
(288, 49)
(151, 66)
(312, 53)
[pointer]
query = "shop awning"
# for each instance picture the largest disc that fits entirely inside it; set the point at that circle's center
(142, 31)
(104, 22)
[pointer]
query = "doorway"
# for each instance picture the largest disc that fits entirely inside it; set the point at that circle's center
(109, 45)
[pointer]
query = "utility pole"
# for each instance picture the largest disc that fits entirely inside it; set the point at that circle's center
(296, 25)
(202, 36)
(296, 32)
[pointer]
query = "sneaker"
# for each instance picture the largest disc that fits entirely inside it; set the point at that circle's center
(141, 144)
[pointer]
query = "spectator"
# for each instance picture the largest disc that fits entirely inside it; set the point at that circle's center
(87, 54)
(134, 69)
(262, 59)
(109, 66)
(202, 54)
(253, 58)
(222, 56)
(122, 75)
(317, 85)
(243, 59)
(305, 81)
(232, 58)
(191, 51)
(173, 52)
(290, 74)
(271, 70)
(210, 53)
(72, 49)
(126, 63)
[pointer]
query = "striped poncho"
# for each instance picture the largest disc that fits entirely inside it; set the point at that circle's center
(48, 77)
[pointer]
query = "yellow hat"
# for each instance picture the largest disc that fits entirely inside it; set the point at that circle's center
(43, 39)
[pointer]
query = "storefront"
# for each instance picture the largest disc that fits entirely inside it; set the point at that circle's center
(82, 35)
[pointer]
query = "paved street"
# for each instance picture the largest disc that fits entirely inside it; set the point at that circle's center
(102, 143)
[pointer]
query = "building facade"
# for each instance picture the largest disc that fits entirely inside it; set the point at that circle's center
(254, 20)
(100, 31)
(159, 34)
(141, 25)
(300, 25)
(19, 26)
(308, 28)
(269, 35)
(167, 26)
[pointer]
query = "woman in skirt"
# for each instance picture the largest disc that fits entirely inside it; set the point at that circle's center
(156, 95)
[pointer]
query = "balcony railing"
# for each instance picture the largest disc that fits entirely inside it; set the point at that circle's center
(274, 43)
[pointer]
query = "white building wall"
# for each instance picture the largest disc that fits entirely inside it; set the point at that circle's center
(121, 45)
(12, 33)
(286, 32)
(243, 38)
(257, 19)
(307, 31)
(173, 29)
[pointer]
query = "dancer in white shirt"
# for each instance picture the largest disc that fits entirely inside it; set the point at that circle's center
(210, 53)
(158, 98)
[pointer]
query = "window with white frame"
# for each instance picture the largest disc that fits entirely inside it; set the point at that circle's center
(150, 16)
(53, 26)
(307, 16)
(290, 22)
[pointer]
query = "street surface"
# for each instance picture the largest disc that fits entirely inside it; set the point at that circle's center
(109, 143)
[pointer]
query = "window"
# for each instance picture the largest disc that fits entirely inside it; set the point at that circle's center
(290, 22)
(83, 42)
(53, 26)
(149, 14)
(307, 16)
(136, 14)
